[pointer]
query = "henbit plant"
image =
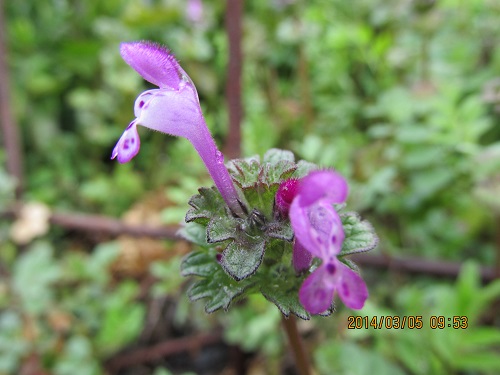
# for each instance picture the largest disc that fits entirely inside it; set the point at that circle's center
(274, 226)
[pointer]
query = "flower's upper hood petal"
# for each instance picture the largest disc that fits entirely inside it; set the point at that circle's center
(155, 63)
(324, 184)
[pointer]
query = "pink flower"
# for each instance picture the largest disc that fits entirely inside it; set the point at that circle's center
(173, 109)
(318, 232)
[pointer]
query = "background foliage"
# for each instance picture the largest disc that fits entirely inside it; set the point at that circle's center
(402, 97)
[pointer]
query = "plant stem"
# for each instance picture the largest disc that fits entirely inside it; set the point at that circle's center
(301, 358)
(11, 138)
(234, 15)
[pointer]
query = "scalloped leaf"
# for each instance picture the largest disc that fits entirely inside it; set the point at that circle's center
(245, 172)
(194, 233)
(272, 174)
(359, 234)
(285, 300)
(204, 206)
(223, 228)
(217, 286)
(200, 263)
(259, 197)
(303, 168)
(280, 230)
(218, 290)
(241, 259)
(275, 155)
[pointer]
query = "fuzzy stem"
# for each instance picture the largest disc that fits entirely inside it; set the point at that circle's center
(301, 358)
(214, 161)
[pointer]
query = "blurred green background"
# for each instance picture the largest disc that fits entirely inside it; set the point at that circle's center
(402, 97)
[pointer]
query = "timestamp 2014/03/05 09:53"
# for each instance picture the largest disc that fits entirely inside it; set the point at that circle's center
(406, 322)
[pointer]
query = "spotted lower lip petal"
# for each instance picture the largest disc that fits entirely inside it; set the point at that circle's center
(128, 145)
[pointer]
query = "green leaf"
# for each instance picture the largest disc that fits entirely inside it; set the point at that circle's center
(276, 155)
(468, 288)
(200, 263)
(359, 234)
(219, 289)
(195, 233)
(33, 277)
(260, 181)
(261, 197)
(207, 204)
(245, 172)
(285, 298)
(485, 361)
(341, 357)
(242, 257)
(303, 169)
(77, 351)
(482, 337)
(279, 230)
(272, 174)
(122, 319)
(222, 228)
(488, 294)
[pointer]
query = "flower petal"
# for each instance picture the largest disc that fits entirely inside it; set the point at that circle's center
(172, 112)
(154, 63)
(314, 294)
(318, 227)
(328, 185)
(301, 257)
(351, 288)
(142, 101)
(128, 145)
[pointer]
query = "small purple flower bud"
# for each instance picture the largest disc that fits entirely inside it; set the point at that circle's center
(173, 109)
(284, 196)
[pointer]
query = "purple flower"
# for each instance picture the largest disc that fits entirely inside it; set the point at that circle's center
(194, 11)
(173, 109)
(318, 231)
